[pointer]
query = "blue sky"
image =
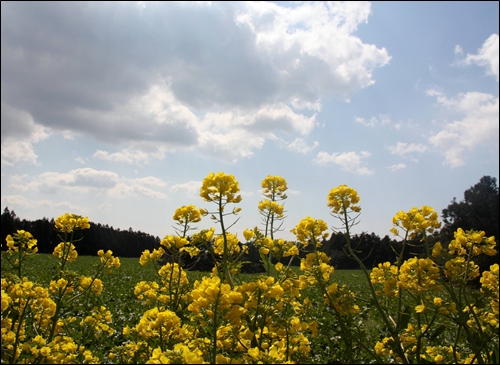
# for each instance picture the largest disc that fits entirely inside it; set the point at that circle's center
(118, 111)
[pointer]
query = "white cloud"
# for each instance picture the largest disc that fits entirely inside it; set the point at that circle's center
(403, 148)
(396, 167)
(229, 146)
(380, 120)
(18, 151)
(105, 207)
(301, 146)
(299, 41)
(487, 56)
(16, 200)
(130, 155)
(190, 188)
(458, 49)
(244, 65)
(89, 180)
(349, 161)
(478, 127)
(19, 133)
(21, 201)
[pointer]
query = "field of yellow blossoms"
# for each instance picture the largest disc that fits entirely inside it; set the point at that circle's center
(419, 310)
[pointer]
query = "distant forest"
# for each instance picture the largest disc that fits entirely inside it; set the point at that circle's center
(479, 210)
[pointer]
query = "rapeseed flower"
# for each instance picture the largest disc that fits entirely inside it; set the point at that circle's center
(68, 223)
(416, 221)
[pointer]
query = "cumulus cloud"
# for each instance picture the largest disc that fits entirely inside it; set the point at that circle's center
(477, 127)
(21, 201)
(379, 120)
(299, 40)
(86, 180)
(402, 148)
(19, 133)
(348, 161)
(301, 146)
(159, 73)
(396, 167)
(190, 188)
(487, 56)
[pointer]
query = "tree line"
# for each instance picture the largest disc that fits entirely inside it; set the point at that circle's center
(479, 210)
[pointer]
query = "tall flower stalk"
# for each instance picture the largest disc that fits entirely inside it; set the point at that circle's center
(222, 189)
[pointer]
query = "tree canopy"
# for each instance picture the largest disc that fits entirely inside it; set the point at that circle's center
(479, 210)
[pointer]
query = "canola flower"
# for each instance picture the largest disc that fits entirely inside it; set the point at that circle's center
(21, 245)
(220, 188)
(272, 212)
(417, 221)
(310, 230)
(274, 187)
(269, 318)
(69, 223)
(35, 323)
(342, 198)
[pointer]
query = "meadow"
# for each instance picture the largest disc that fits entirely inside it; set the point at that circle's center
(64, 308)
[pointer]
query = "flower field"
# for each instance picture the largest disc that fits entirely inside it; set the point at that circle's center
(63, 308)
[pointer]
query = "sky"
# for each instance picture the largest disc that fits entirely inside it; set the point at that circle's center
(118, 110)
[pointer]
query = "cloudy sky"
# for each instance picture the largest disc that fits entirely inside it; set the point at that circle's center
(118, 111)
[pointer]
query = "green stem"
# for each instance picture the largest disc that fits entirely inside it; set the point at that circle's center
(393, 331)
(225, 266)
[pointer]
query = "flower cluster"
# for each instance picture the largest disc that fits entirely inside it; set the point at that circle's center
(274, 187)
(232, 244)
(217, 187)
(472, 242)
(68, 223)
(22, 242)
(187, 214)
(108, 260)
(310, 230)
(38, 322)
(20, 246)
(268, 207)
(278, 248)
(65, 251)
(416, 222)
(343, 199)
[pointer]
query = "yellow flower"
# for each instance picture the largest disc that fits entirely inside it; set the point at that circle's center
(268, 207)
(66, 250)
(248, 234)
(70, 222)
(310, 229)
(217, 187)
(416, 221)
(342, 198)
(274, 187)
(437, 250)
(420, 308)
(472, 242)
(187, 214)
(231, 241)
(22, 241)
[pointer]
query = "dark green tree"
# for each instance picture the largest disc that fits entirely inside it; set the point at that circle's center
(479, 210)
